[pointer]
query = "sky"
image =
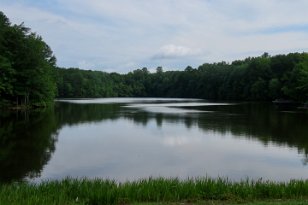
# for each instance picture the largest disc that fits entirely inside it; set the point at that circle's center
(124, 35)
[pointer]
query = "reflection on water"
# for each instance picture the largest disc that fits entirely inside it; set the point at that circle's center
(125, 100)
(128, 138)
(27, 141)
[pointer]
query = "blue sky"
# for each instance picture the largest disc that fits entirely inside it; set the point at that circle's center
(123, 35)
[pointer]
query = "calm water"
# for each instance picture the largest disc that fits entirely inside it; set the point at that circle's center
(129, 138)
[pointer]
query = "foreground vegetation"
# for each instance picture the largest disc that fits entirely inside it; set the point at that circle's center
(213, 202)
(159, 191)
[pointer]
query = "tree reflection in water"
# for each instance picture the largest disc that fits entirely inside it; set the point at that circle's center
(28, 139)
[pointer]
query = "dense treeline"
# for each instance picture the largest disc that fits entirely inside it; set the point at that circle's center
(26, 67)
(257, 78)
(28, 76)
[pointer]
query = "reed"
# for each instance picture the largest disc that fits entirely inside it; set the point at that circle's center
(153, 190)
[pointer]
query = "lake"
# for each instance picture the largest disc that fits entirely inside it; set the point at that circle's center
(133, 138)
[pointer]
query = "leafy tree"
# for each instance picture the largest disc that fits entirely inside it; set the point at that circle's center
(254, 78)
(6, 78)
(26, 66)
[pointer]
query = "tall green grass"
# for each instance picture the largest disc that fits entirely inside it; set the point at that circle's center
(86, 191)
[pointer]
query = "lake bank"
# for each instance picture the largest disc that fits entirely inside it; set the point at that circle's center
(153, 190)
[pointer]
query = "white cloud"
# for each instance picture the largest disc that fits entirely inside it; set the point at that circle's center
(86, 65)
(173, 51)
(122, 35)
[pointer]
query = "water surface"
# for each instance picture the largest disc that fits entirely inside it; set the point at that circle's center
(133, 138)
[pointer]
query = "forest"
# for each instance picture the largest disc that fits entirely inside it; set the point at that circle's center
(262, 78)
(27, 67)
(29, 76)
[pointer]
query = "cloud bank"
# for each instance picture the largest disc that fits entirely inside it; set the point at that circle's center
(123, 35)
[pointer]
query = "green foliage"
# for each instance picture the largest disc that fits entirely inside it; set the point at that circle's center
(76, 83)
(160, 190)
(26, 66)
(300, 75)
(6, 77)
(261, 78)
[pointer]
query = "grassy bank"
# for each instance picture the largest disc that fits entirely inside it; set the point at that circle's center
(157, 191)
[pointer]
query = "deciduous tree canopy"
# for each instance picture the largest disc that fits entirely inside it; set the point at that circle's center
(26, 67)
(261, 78)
